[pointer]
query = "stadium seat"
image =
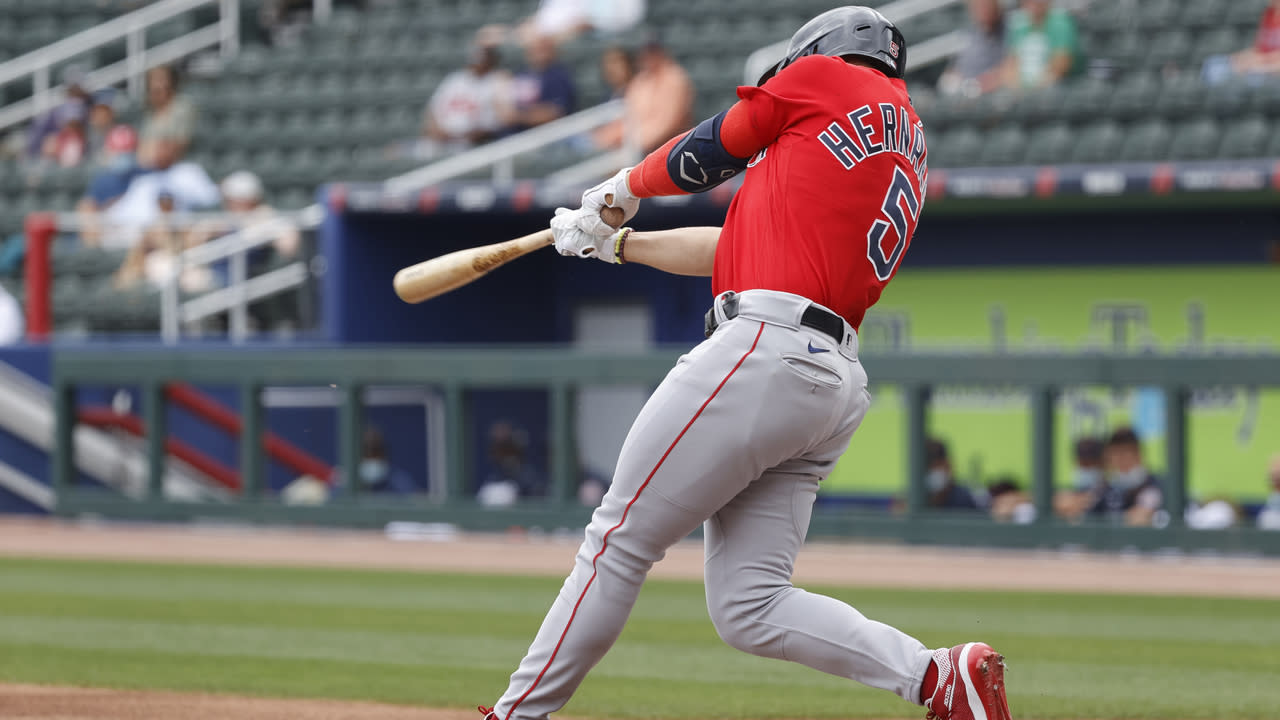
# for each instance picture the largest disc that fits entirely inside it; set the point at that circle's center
(1006, 145)
(958, 147)
(1049, 144)
(1147, 141)
(1134, 96)
(1086, 100)
(1245, 138)
(1157, 14)
(1180, 97)
(1243, 13)
(1217, 41)
(1196, 140)
(1200, 14)
(1170, 48)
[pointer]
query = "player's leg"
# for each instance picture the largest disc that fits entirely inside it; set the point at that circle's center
(706, 432)
(751, 546)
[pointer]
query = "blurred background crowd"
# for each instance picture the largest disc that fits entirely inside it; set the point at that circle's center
(231, 145)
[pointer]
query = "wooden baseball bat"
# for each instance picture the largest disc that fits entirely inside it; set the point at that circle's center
(438, 276)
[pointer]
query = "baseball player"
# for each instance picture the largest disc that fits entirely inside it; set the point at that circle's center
(744, 427)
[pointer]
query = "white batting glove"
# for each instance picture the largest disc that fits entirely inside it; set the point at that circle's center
(572, 238)
(613, 192)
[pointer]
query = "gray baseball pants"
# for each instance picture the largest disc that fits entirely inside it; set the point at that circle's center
(737, 438)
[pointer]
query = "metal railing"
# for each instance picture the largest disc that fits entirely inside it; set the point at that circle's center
(501, 154)
(176, 312)
(132, 28)
(919, 55)
(561, 372)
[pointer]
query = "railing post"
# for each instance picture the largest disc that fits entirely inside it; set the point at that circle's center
(321, 10)
(504, 171)
(40, 87)
(1042, 409)
(40, 229)
(63, 457)
(563, 464)
(170, 310)
(135, 59)
(917, 400)
(1175, 451)
(350, 430)
(251, 450)
(229, 28)
(240, 311)
(157, 429)
(455, 441)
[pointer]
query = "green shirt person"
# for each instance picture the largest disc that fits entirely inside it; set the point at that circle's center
(1043, 45)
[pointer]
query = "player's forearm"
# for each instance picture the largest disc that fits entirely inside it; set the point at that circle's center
(683, 251)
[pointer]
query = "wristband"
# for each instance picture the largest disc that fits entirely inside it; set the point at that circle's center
(619, 244)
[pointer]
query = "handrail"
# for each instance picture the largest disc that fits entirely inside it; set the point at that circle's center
(500, 153)
(132, 28)
(111, 30)
(899, 11)
(234, 246)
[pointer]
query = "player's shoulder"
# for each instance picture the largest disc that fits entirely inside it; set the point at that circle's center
(812, 68)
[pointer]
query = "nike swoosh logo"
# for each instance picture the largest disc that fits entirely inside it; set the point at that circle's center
(813, 349)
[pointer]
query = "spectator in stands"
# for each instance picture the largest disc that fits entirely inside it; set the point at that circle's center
(565, 19)
(185, 182)
(246, 212)
(1269, 517)
(940, 481)
(47, 125)
(12, 323)
(1129, 491)
(1256, 61)
(102, 123)
(114, 167)
(170, 117)
(510, 474)
(153, 260)
(1009, 502)
(544, 90)
(375, 471)
(659, 99)
(468, 107)
(618, 68)
(977, 68)
(1087, 479)
(1042, 44)
(66, 147)
(242, 202)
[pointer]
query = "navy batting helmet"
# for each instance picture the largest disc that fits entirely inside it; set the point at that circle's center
(849, 30)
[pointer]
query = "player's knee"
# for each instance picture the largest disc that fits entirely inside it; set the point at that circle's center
(737, 620)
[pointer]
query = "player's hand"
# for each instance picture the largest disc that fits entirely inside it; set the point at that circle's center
(569, 227)
(615, 193)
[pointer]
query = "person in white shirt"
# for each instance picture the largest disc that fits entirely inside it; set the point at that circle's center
(470, 106)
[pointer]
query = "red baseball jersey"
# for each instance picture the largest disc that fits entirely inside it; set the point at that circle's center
(828, 206)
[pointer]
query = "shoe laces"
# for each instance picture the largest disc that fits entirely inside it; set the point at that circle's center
(487, 712)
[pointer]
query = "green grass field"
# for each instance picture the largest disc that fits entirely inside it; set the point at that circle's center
(451, 640)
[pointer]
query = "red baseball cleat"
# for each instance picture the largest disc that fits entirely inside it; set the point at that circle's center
(970, 684)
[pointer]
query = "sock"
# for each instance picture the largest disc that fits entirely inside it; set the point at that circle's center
(930, 684)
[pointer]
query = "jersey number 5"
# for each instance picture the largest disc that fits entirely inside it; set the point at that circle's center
(901, 219)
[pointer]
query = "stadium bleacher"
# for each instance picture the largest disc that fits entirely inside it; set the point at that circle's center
(326, 107)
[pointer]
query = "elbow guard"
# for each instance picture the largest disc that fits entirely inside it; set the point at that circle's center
(699, 161)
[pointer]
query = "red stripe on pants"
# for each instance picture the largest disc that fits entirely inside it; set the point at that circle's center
(604, 543)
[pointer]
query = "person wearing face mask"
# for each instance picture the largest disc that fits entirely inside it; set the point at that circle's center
(1269, 518)
(375, 472)
(1129, 490)
(1086, 479)
(940, 481)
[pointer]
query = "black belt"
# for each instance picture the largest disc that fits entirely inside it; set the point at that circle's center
(812, 317)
